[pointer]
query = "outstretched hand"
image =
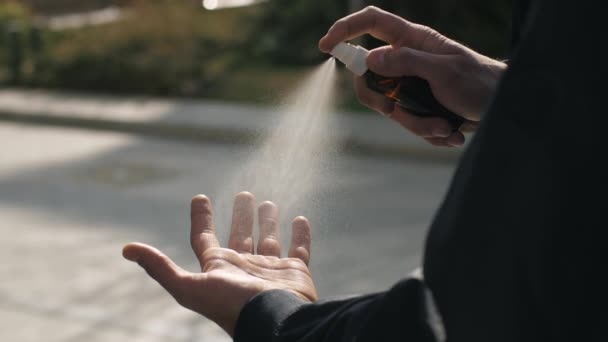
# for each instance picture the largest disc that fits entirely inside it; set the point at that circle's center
(230, 276)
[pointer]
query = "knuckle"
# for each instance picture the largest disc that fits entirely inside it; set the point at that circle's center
(163, 260)
(420, 27)
(269, 222)
(339, 25)
(431, 39)
(270, 243)
(301, 256)
(269, 247)
(429, 31)
(243, 245)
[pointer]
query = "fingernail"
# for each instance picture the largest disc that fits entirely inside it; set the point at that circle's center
(442, 132)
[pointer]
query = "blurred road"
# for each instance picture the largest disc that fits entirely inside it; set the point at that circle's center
(203, 120)
(69, 200)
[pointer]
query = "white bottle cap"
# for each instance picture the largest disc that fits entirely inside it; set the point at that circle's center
(353, 56)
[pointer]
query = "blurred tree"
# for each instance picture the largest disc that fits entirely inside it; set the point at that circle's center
(11, 10)
(162, 47)
(54, 7)
(14, 21)
(287, 31)
(175, 47)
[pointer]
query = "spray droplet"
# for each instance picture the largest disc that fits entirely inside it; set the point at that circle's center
(290, 163)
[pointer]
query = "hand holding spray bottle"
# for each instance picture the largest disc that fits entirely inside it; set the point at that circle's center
(410, 92)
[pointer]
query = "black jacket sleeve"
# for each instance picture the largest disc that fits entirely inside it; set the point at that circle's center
(405, 312)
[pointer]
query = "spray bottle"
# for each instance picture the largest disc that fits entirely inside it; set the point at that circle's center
(410, 92)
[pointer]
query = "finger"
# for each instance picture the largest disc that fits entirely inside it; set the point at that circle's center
(427, 127)
(202, 235)
(160, 267)
(440, 142)
(371, 99)
(268, 215)
(456, 139)
(404, 61)
(241, 233)
(468, 126)
(300, 239)
(380, 24)
(421, 126)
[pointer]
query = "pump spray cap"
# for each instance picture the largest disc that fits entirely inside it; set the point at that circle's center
(353, 56)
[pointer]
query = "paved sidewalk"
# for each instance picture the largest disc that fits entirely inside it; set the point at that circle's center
(206, 121)
(70, 199)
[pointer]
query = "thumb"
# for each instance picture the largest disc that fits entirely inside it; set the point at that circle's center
(402, 61)
(158, 266)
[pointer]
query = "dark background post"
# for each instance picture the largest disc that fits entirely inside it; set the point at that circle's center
(15, 53)
(36, 48)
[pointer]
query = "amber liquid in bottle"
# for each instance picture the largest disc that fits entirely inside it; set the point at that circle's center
(413, 94)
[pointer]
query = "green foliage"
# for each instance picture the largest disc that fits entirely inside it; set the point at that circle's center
(12, 14)
(14, 17)
(49, 7)
(169, 47)
(287, 31)
(162, 47)
(11, 11)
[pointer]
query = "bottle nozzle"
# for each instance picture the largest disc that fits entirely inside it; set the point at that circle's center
(353, 56)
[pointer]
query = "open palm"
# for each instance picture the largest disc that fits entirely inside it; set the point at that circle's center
(231, 276)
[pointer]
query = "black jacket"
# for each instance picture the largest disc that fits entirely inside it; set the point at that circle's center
(518, 250)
